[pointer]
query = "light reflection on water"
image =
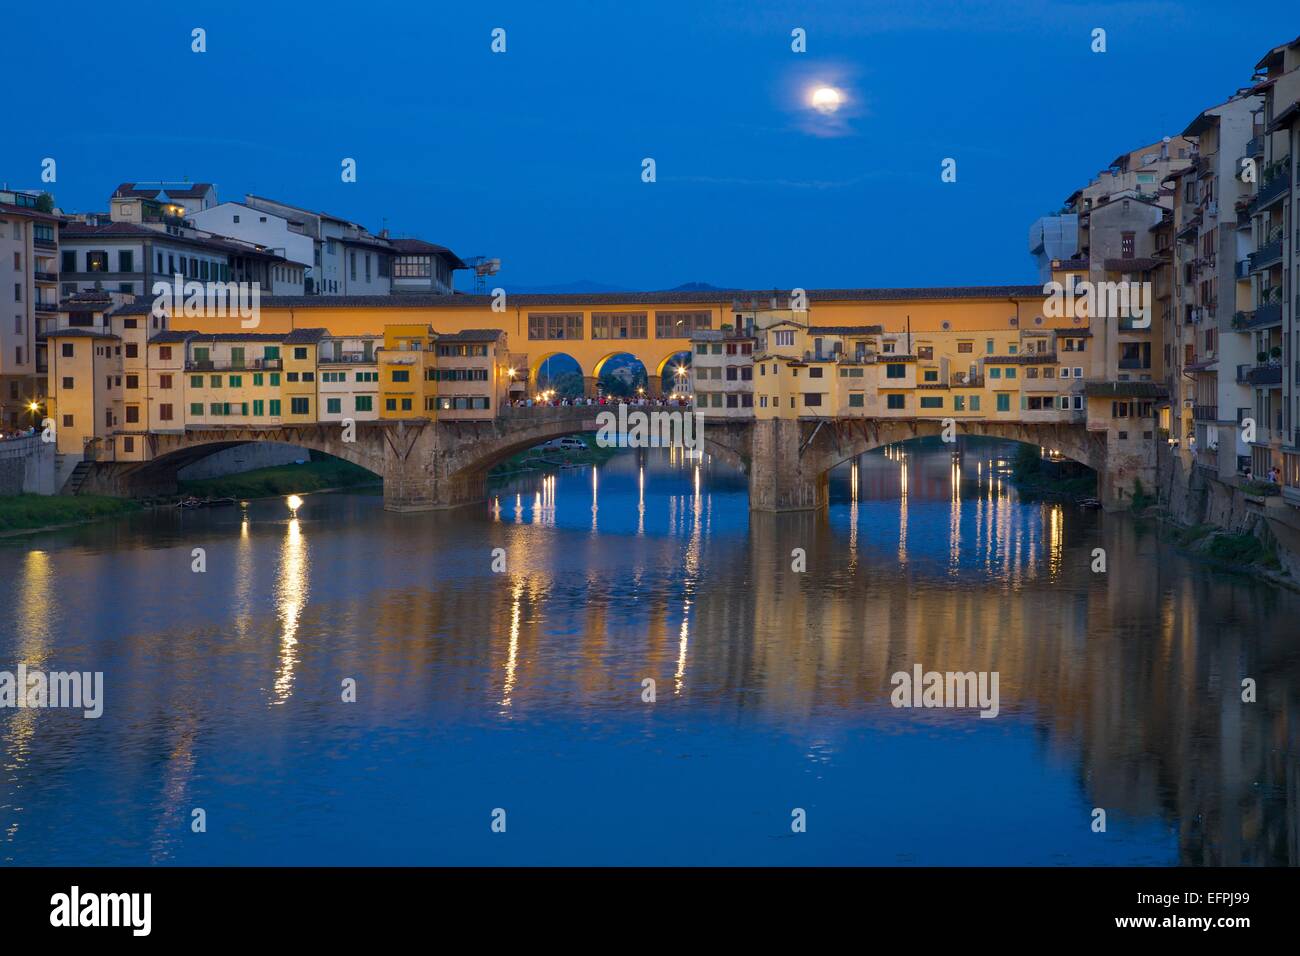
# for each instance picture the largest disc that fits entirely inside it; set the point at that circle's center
(524, 689)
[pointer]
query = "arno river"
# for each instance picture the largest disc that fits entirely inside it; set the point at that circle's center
(523, 690)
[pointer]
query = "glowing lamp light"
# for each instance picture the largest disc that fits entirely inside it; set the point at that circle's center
(294, 503)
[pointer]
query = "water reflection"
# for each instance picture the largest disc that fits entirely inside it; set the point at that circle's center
(1118, 690)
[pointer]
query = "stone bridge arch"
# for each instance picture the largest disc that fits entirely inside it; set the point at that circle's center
(794, 457)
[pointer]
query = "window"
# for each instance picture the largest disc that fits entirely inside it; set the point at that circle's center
(988, 346)
(125, 260)
(196, 409)
(236, 381)
(785, 337)
(965, 346)
(364, 403)
(1004, 402)
(196, 381)
(67, 421)
(1011, 373)
(299, 406)
(1126, 243)
(895, 401)
(995, 373)
(560, 325)
(164, 353)
(679, 325)
(618, 325)
(66, 350)
(291, 376)
(895, 371)
(214, 381)
(810, 399)
(164, 381)
(401, 375)
(932, 401)
(959, 403)
(133, 414)
(273, 407)
(259, 408)
(334, 405)
(390, 404)
(855, 399)
(406, 404)
(275, 379)
(974, 403)
(133, 381)
(258, 379)
(300, 352)
(67, 382)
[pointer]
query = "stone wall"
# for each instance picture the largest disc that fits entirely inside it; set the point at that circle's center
(241, 458)
(26, 466)
(1196, 496)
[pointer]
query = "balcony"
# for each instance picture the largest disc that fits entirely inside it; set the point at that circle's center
(1205, 413)
(46, 276)
(1242, 270)
(1269, 373)
(40, 243)
(1135, 364)
(253, 365)
(349, 358)
(1243, 372)
(1273, 190)
(1269, 254)
(1255, 146)
(966, 380)
(49, 308)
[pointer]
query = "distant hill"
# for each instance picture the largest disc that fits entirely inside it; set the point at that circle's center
(588, 287)
(579, 287)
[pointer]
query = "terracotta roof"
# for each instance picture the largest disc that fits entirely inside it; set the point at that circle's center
(845, 329)
(191, 191)
(79, 333)
(718, 296)
(304, 336)
(470, 335)
(418, 247)
(27, 211)
(169, 336)
(1285, 118)
(1132, 265)
(1125, 390)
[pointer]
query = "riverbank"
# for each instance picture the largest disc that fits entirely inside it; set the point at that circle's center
(23, 514)
(542, 459)
(316, 475)
(1237, 526)
(1037, 480)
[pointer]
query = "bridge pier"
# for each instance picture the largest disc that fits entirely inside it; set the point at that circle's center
(780, 479)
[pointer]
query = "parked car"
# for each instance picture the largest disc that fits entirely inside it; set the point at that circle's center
(568, 443)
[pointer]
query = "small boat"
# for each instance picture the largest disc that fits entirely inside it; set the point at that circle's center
(1089, 503)
(193, 502)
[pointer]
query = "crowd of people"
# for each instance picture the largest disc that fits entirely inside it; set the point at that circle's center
(557, 402)
(7, 433)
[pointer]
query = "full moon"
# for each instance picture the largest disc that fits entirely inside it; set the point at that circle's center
(826, 99)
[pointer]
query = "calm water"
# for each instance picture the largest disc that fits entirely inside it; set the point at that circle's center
(522, 690)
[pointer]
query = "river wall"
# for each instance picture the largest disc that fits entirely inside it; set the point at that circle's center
(1195, 496)
(26, 466)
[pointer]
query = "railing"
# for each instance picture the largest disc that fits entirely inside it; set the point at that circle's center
(40, 243)
(966, 380)
(46, 276)
(1135, 364)
(1279, 185)
(1255, 146)
(1243, 371)
(1269, 373)
(251, 365)
(1243, 269)
(1205, 413)
(349, 360)
(1267, 255)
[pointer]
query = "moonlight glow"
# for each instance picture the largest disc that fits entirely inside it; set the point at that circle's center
(826, 99)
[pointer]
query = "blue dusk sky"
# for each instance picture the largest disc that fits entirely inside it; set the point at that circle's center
(535, 155)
